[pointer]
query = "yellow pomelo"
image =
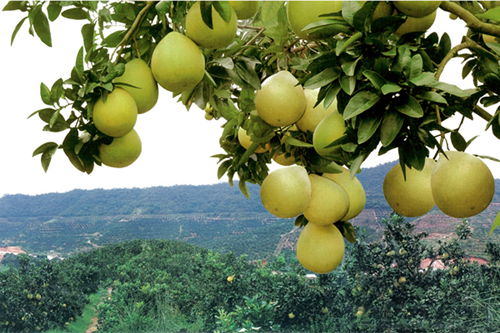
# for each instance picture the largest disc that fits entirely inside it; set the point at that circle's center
(331, 128)
(122, 151)
(116, 114)
(145, 90)
(413, 196)
(302, 13)
(462, 185)
(312, 116)
(220, 36)
(320, 249)
(246, 141)
(280, 101)
(416, 24)
(329, 202)
(244, 9)
(383, 9)
(283, 159)
(417, 8)
(286, 192)
(177, 63)
(354, 190)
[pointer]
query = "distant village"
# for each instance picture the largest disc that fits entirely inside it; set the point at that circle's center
(16, 250)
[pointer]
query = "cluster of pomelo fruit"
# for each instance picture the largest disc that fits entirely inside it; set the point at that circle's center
(459, 184)
(177, 64)
(115, 114)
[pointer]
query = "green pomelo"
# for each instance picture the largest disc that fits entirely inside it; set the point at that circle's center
(417, 8)
(331, 128)
(414, 24)
(220, 36)
(244, 9)
(145, 90)
(177, 63)
(302, 13)
(121, 152)
(116, 114)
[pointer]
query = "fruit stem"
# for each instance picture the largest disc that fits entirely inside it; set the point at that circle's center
(472, 21)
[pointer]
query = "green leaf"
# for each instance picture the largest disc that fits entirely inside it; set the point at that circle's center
(206, 13)
(273, 18)
(331, 95)
(114, 39)
(243, 188)
(458, 141)
(347, 230)
(224, 9)
(492, 14)
(248, 75)
(322, 78)
(390, 88)
(88, 36)
(45, 94)
(79, 63)
(454, 90)
(391, 125)
(16, 29)
(416, 66)
(300, 221)
(223, 168)
(433, 97)
(375, 78)
(75, 14)
(424, 79)
(69, 143)
(44, 147)
(348, 84)
(356, 165)
(15, 5)
(495, 224)
(53, 10)
(41, 25)
(411, 108)
(367, 127)
(296, 142)
(349, 68)
(359, 103)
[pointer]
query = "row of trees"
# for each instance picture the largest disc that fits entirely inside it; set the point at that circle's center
(166, 285)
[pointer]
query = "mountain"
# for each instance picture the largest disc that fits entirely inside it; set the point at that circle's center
(213, 216)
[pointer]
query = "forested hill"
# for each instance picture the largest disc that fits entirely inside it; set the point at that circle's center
(182, 199)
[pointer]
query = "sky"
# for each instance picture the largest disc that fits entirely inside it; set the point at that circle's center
(177, 144)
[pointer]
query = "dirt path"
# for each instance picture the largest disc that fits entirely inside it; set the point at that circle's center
(94, 321)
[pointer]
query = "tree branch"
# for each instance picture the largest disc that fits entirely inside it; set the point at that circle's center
(449, 56)
(472, 21)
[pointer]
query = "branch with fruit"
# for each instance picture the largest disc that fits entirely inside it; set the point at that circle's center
(320, 85)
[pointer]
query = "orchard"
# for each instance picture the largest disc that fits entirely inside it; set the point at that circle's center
(315, 86)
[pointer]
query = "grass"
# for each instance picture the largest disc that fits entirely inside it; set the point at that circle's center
(82, 323)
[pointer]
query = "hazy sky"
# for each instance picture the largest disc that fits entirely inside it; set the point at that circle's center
(177, 144)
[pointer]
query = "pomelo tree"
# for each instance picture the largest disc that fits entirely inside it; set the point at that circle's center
(368, 62)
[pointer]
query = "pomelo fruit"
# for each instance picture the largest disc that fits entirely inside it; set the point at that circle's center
(286, 192)
(416, 24)
(246, 141)
(462, 185)
(320, 249)
(219, 37)
(331, 128)
(280, 101)
(354, 190)
(411, 197)
(177, 63)
(417, 8)
(145, 91)
(122, 151)
(329, 202)
(302, 13)
(312, 116)
(115, 115)
(244, 9)
(283, 159)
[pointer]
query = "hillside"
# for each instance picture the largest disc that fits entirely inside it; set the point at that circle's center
(213, 216)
